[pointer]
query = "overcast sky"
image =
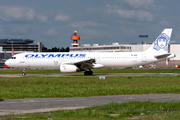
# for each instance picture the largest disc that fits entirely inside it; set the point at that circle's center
(52, 22)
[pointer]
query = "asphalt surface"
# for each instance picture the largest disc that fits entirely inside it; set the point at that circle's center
(22, 106)
(40, 105)
(95, 74)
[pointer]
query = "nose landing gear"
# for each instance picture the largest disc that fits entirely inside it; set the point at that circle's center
(24, 72)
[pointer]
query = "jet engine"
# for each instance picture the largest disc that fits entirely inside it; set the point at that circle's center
(69, 68)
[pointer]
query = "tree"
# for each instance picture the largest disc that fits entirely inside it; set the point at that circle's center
(55, 49)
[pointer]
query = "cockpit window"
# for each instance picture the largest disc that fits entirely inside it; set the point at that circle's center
(13, 58)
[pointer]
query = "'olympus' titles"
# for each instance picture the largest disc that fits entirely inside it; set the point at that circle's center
(53, 55)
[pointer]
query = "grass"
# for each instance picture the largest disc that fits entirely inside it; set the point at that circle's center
(51, 71)
(129, 110)
(53, 87)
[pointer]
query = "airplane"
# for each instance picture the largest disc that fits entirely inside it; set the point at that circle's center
(85, 61)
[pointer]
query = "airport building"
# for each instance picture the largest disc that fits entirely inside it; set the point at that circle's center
(115, 47)
(19, 46)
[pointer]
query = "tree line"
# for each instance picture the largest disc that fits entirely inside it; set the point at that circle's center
(55, 49)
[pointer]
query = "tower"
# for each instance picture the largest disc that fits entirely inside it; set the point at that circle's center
(75, 39)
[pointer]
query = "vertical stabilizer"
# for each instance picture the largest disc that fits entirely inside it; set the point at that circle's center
(160, 45)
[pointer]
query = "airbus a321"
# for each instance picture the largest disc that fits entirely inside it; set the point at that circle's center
(85, 61)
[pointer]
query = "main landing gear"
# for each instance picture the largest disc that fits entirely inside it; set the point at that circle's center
(88, 72)
(24, 72)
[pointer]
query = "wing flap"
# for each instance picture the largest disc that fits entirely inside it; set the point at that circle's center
(85, 63)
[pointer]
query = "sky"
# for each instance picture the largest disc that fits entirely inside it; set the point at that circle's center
(52, 22)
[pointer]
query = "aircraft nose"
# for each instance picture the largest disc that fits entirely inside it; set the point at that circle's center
(7, 62)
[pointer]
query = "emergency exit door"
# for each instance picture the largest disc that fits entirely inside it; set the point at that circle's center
(144, 57)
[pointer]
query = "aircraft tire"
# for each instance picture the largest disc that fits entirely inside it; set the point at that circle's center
(23, 73)
(88, 73)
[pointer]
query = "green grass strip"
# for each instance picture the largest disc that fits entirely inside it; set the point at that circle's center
(53, 87)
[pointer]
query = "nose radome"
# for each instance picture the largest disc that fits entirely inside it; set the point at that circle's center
(7, 62)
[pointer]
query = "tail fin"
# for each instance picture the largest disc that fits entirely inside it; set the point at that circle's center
(160, 45)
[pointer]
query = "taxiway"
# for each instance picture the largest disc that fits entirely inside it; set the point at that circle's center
(95, 74)
(39, 105)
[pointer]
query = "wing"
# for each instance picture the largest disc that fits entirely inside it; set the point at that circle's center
(85, 64)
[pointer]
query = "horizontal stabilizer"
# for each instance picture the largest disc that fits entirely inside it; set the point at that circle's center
(165, 56)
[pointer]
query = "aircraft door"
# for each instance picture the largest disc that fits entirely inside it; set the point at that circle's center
(55, 61)
(144, 57)
(22, 59)
(98, 58)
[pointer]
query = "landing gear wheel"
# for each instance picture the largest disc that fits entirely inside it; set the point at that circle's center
(88, 73)
(23, 73)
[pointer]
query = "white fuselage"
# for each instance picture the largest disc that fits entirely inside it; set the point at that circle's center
(106, 59)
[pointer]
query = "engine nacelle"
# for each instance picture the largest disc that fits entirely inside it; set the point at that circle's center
(69, 68)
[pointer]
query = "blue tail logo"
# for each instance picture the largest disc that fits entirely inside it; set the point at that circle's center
(162, 42)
